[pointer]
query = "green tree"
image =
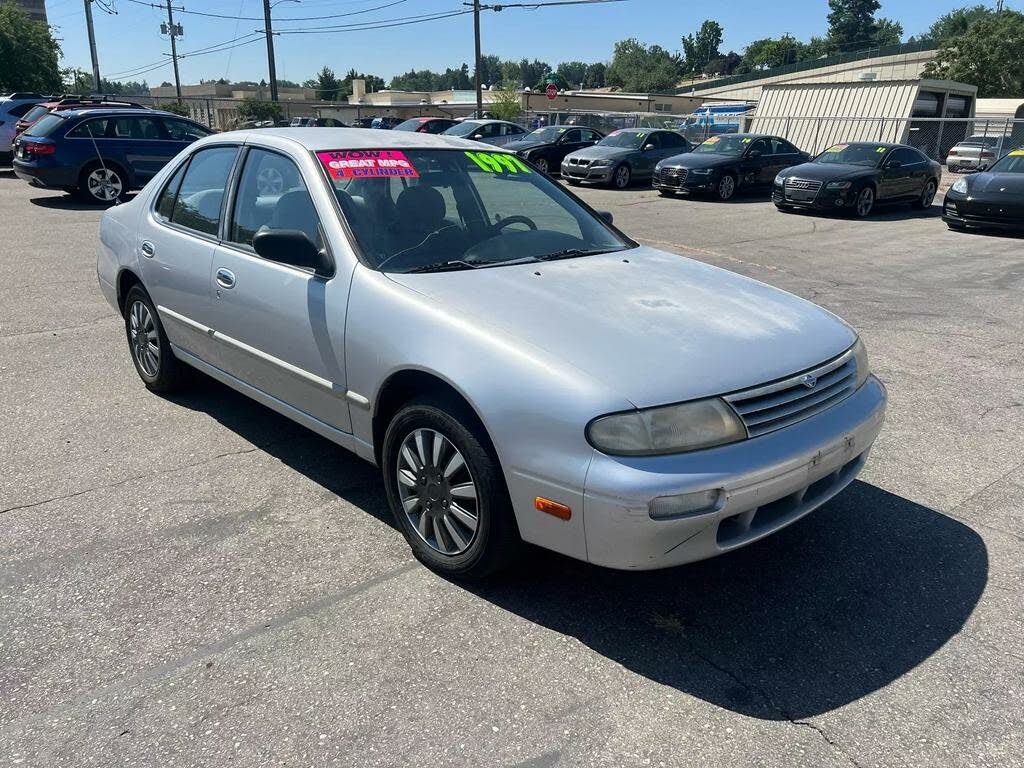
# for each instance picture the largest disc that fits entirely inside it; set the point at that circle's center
(956, 23)
(852, 25)
(640, 69)
(490, 70)
(328, 87)
(29, 56)
(888, 32)
(505, 103)
(573, 72)
(726, 65)
(772, 52)
(595, 76)
(702, 48)
(988, 55)
(258, 109)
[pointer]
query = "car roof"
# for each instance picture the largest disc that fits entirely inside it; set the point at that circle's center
(119, 111)
(320, 139)
(886, 144)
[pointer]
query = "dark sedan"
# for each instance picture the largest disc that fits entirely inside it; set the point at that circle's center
(622, 156)
(856, 176)
(426, 124)
(547, 147)
(726, 164)
(989, 199)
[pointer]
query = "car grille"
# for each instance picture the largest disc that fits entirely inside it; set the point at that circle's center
(670, 177)
(809, 184)
(770, 407)
(580, 161)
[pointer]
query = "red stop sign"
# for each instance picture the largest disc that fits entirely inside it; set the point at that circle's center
(552, 91)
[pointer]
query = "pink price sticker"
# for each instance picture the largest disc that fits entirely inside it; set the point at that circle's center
(367, 164)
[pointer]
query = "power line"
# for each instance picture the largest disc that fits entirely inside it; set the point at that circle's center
(400, 21)
(285, 18)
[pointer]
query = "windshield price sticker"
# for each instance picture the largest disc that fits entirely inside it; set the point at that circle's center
(1017, 153)
(498, 162)
(880, 150)
(837, 148)
(712, 140)
(367, 164)
(747, 140)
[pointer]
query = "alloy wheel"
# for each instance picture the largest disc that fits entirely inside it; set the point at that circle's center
(865, 201)
(928, 196)
(542, 165)
(726, 187)
(437, 491)
(145, 342)
(104, 184)
(622, 177)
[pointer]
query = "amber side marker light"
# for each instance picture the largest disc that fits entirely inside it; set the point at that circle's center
(552, 508)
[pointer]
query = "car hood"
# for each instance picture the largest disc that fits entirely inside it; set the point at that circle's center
(653, 327)
(519, 146)
(996, 185)
(692, 160)
(828, 171)
(603, 153)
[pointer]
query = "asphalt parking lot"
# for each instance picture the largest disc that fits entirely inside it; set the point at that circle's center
(197, 581)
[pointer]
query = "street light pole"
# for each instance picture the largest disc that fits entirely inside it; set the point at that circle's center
(92, 46)
(476, 36)
(270, 50)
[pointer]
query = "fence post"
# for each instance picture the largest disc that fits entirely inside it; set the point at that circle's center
(1007, 127)
(938, 141)
(209, 114)
(817, 135)
(881, 128)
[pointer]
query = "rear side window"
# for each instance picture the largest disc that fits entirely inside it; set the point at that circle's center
(45, 126)
(198, 202)
(165, 203)
(272, 195)
(183, 130)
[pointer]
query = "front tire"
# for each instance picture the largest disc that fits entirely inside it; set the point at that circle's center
(541, 165)
(865, 202)
(725, 189)
(621, 177)
(446, 490)
(151, 352)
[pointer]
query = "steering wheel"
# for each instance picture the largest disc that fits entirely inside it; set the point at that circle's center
(508, 220)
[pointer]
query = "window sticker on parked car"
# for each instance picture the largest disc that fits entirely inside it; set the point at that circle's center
(880, 150)
(747, 140)
(837, 148)
(712, 140)
(1017, 153)
(498, 162)
(367, 164)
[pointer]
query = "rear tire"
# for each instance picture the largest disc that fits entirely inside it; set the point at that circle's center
(476, 531)
(924, 202)
(541, 164)
(151, 352)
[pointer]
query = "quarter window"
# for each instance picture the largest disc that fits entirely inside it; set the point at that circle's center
(95, 128)
(198, 202)
(182, 130)
(272, 195)
(165, 203)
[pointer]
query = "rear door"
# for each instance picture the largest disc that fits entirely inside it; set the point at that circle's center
(784, 155)
(280, 328)
(650, 153)
(919, 171)
(141, 143)
(176, 245)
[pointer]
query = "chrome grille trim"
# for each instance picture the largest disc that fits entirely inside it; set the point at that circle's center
(808, 184)
(773, 406)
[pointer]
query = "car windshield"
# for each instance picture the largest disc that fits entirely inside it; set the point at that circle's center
(866, 155)
(624, 139)
(464, 128)
(1012, 163)
(44, 126)
(547, 135)
(35, 113)
(732, 145)
(434, 210)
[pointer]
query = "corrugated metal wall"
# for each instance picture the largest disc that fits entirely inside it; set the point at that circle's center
(857, 110)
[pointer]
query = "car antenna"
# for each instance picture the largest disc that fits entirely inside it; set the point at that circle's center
(88, 127)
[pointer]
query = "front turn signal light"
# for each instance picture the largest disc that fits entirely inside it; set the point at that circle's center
(550, 507)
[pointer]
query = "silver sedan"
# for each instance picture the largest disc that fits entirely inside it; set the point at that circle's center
(518, 368)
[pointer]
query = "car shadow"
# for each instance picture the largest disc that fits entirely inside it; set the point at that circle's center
(890, 212)
(826, 611)
(70, 203)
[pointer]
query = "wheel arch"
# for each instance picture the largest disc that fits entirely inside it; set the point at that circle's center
(126, 280)
(404, 385)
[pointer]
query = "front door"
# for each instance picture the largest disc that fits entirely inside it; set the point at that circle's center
(279, 328)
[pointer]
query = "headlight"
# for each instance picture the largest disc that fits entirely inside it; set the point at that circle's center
(838, 185)
(669, 429)
(860, 356)
(600, 163)
(779, 180)
(659, 166)
(702, 171)
(960, 186)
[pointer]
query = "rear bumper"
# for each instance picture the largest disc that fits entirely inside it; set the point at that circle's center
(52, 177)
(766, 483)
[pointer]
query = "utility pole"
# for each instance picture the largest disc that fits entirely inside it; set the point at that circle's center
(92, 47)
(174, 32)
(270, 50)
(476, 36)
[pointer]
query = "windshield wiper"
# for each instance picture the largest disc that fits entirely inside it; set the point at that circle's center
(572, 253)
(443, 266)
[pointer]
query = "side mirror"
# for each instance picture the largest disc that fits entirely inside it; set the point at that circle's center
(892, 165)
(648, 147)
(477, 136)
(292, 247)
(755, 153)
(606, 217)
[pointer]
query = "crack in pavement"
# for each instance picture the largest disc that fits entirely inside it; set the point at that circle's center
(94, 321)
(127, 480)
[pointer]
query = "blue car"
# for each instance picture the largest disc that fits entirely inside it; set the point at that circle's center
(99, 154)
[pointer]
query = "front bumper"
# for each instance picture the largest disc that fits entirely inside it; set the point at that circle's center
(960, 212)
(600, 175)
(767, 483)
(672, 180)
(823, 199)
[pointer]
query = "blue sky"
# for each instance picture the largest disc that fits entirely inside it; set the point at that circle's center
(131, 39)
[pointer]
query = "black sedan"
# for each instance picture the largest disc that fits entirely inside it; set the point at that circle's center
(989, 199)
(727, 163)
(856, 176)
(547, 147)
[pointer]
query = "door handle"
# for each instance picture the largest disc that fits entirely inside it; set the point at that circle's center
(225, 278)
(148, 249)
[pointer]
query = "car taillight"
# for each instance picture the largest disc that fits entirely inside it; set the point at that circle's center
(40, 149)
(954, 151)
